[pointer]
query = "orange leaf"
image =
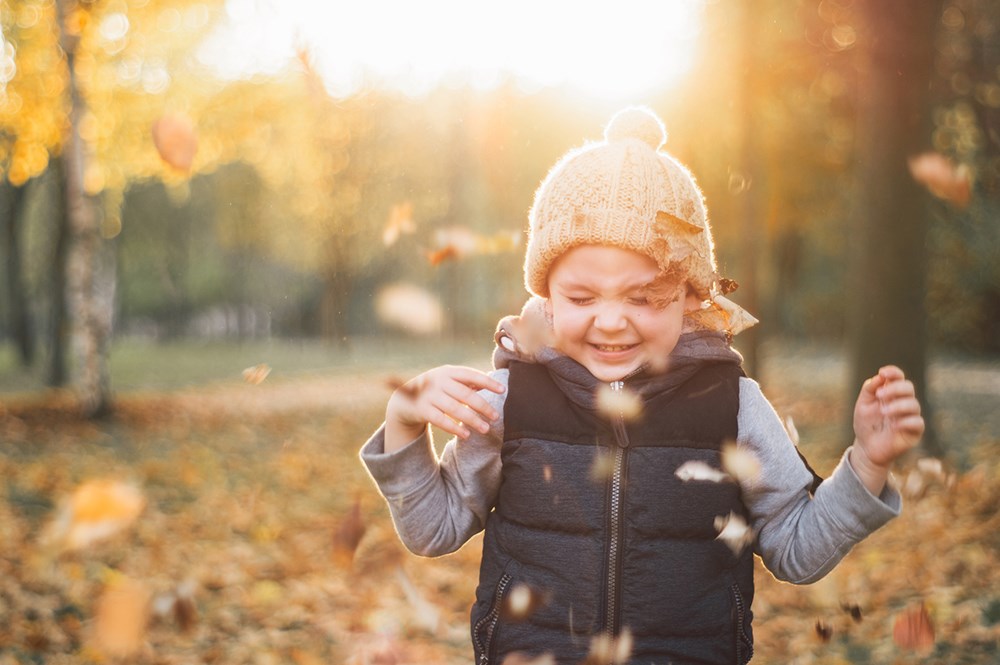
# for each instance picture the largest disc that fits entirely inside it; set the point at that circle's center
(121, 617)
(348, 535)
(913, 630)
(942, 178)
(175, 140)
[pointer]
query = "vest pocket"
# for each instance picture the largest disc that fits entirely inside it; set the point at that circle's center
(485, 630)
(743, 642)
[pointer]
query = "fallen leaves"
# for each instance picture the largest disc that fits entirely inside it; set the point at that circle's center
(348, 535)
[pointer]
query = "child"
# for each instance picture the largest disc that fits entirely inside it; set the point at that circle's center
(593, 454)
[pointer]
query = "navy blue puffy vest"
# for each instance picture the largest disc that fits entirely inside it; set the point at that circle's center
(598, 527)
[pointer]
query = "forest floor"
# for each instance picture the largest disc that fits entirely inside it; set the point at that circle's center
(237, 543)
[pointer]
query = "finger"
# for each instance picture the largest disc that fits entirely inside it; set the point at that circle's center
(444, 422)
(910, 425)
(462, 412)
(870, 387)
(473, 400)
(900, 406)
(475, 379)
(896, 390)
(891, 373)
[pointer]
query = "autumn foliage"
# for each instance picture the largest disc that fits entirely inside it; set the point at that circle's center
(238, 526)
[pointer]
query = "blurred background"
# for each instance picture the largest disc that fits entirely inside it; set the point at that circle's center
(253, 170)
(234, 226)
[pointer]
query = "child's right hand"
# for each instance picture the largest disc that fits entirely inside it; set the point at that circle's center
(446, 397)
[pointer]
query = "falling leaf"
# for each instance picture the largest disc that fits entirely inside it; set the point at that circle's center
(854, 610)
(177, 605)
(400, 222)
(410, 308)
(824, 631)
(547, 473)
(608, 650)
(521, 602)
(740, 463)
(913, 630)
(620, 403)
(121, 617)
(438, 256)
(424, 614)
(943, 178)
(175, 139)
(97, 510)
(348, 535)
(602, 467)
(734, 532)
(255, 375)
(694, 470)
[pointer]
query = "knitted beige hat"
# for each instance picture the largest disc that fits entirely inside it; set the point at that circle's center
(624, 192)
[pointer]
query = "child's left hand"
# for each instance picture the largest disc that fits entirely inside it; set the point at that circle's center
(887, 423)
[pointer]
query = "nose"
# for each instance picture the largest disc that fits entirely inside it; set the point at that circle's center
(610, 317)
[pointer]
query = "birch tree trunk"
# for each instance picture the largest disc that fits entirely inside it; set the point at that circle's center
(90, 312)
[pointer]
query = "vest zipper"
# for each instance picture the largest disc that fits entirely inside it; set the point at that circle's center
(490, 621)
(615, 518)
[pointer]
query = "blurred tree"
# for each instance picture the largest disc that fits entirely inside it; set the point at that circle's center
(887, 262)
(12, 213)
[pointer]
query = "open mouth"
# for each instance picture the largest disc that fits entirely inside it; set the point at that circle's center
(613, 348)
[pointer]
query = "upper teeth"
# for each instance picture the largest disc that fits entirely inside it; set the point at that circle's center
(608, 347)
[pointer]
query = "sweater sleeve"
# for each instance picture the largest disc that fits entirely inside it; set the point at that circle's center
(438, 504)
(801, 537)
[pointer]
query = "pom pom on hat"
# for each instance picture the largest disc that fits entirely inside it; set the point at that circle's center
(636, 122)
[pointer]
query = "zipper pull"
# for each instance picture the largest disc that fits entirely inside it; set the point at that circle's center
(621, 434)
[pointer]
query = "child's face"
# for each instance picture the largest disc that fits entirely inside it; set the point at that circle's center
(602, 314)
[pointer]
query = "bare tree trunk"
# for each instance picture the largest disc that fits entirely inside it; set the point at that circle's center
(56, 373)
(91, 315)
(19, 313)
(888, 265)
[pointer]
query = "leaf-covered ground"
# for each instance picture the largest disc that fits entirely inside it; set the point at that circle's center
(254, 499)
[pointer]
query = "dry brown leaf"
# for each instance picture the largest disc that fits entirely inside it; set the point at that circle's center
(740, 463)
(400, 222)
(695, 470)
(348, 535)
(824, 631)
(913, 630)
(608, 650)
(734, 532)
(521, 602)
(255, 375)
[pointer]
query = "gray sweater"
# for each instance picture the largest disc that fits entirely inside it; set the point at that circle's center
(437, 504)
